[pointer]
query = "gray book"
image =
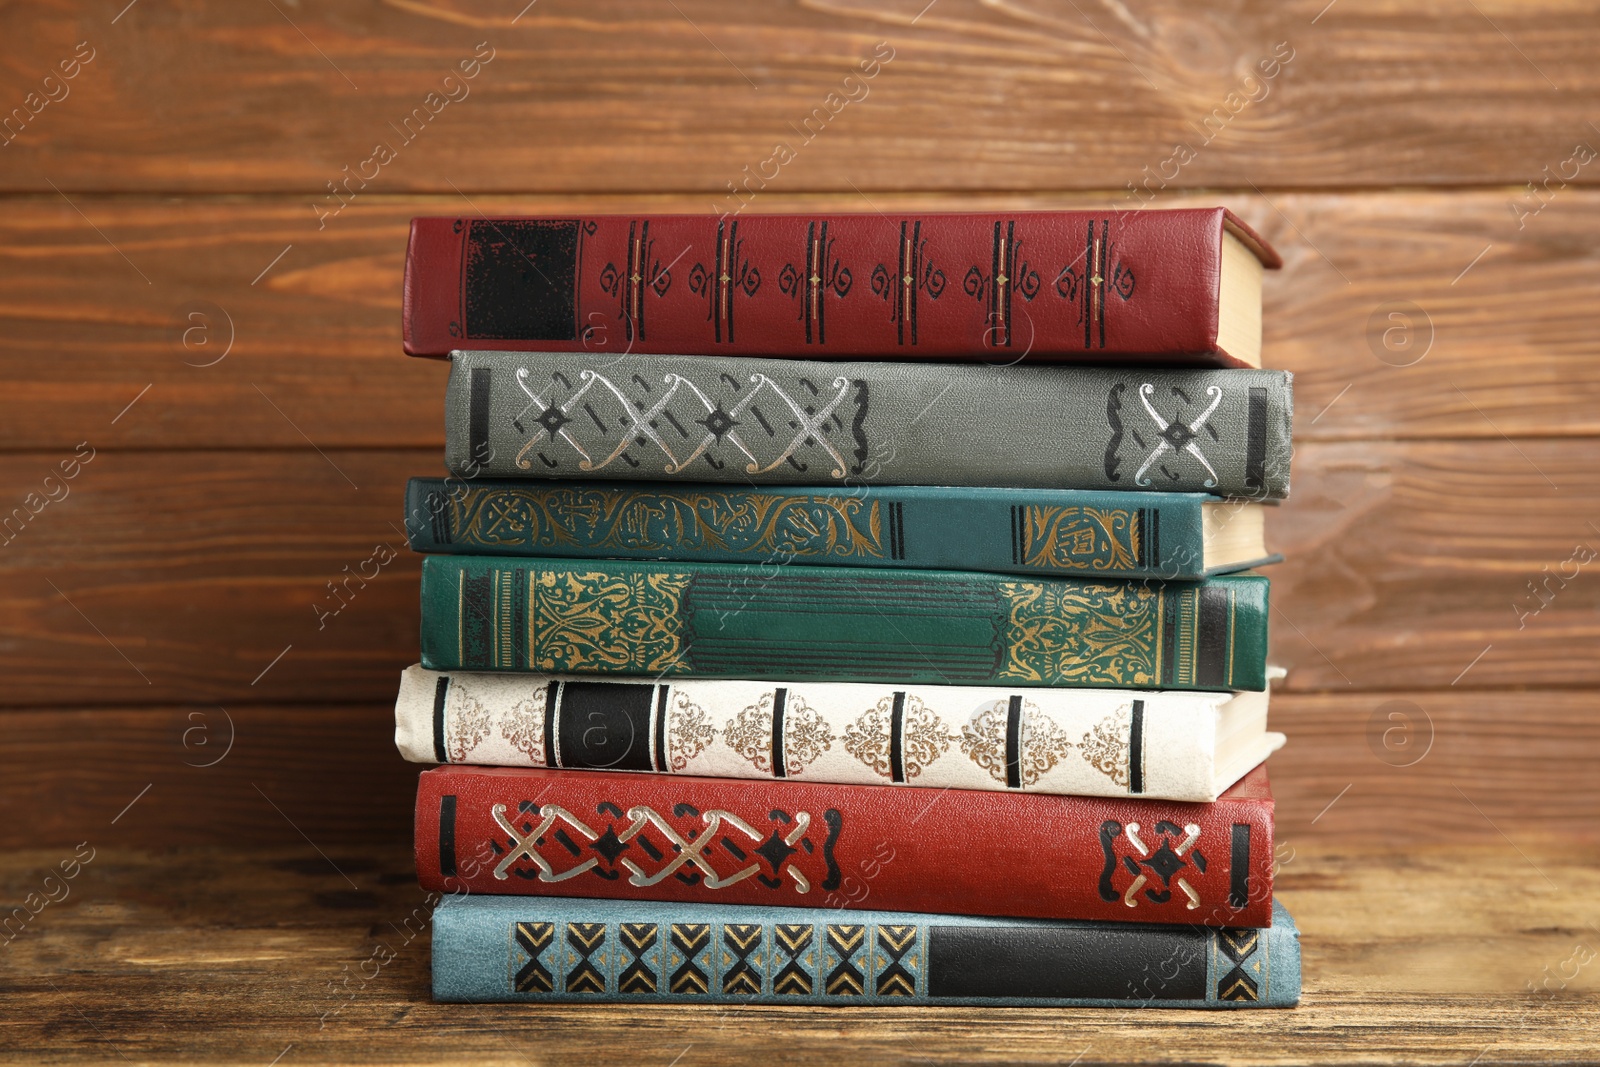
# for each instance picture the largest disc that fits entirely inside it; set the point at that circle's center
(801, 422)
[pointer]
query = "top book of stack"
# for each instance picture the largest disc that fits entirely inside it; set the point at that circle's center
(1178, 287)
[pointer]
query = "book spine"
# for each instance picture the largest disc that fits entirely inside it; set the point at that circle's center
(796, 422)
(850, 624)
(565, 950)
(1085, 742)
(545, 832)
(1035, 286)
(1111, 535)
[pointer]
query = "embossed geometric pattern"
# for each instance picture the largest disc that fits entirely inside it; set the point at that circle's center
(896, 944)
(533, 976)
(585, 939)
(741, 958)
(844, 959)
(638, 939)
(690, 945)
(789, 941)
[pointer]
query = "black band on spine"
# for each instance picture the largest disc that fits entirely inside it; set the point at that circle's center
(1169, 634)
(552, 695)
(897, 739)
(439, 511)
(447, 835)
(441, 690)
(1239, 871)
(1136, 749)
(780, 699)
(1212, 669)
(1014, 742)
(1255, 445)
(661, 727)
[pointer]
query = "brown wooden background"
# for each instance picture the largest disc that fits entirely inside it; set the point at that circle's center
(166, 605)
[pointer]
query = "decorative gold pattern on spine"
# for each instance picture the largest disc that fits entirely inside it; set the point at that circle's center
(1074, 538)
(592, 620)
(1083, 633)
(822, 525)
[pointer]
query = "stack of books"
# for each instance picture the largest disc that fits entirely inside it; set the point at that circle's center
(848, 610)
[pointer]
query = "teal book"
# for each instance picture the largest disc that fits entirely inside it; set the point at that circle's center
(1170, 536)
(579, 951)
(845, 624)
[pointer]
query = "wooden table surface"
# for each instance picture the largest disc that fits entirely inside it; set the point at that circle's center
(194, 317)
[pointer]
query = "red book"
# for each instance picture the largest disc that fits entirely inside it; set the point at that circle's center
(656, 837)
(1181, 286)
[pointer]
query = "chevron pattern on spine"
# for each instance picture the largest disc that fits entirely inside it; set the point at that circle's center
(585, 941)
(533, 938)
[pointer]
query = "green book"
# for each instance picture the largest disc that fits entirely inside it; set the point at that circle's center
(851, 624)
(1171, 536)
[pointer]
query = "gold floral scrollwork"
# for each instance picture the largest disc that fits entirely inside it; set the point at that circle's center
(594, 620)
(689, 732)
(631, 521)
(469, 725)
(524, 727)
(1075, 538)
(1105, 745)
(749, 733)
(1042, 744)
(924, 737)
(1081, 633)
(806, 735)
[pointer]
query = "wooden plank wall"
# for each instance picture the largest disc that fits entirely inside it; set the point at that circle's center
(209, 339)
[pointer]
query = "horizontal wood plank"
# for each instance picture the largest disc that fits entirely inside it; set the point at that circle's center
(597, 96)
(1424, 955)
(1426, 767)
(238, 324)
(214, 577)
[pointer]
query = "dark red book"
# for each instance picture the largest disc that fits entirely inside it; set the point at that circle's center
(1179, 287)
(966, 852)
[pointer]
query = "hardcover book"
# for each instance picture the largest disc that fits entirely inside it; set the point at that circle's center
(577, 951)
(850, 624)
(543, 832)
(1097, 286)
(1089, 742)
(1170, 536)
(797, 422)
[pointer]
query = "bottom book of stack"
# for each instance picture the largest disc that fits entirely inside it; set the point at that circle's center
(563, 949)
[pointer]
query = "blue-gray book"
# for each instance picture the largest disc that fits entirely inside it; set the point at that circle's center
(570, 950)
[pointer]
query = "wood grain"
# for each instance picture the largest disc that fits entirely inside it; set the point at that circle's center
(1425, 767)
(978, 96)
(315, 339)
(174, 577)
(225, 955)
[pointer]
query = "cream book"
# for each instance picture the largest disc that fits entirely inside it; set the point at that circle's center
(1167, 745)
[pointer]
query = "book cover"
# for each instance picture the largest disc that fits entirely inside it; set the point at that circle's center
(1057, 285)
(1087, 742)
(1171, 536)
(765, 422)
(542, 832)
(849, 624)
(578, 951)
